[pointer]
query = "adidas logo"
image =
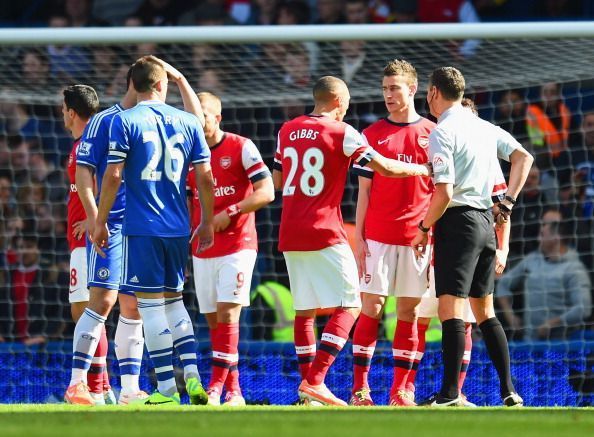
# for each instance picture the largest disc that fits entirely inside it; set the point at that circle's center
(134, 279)
(183, 322)
(165, 331)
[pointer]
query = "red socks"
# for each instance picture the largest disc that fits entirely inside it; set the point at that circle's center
(95, 377)
(334, 338)
(364, 341)
(466, 358)
(404, 350)
(224, 352)
(305, 343)
(410, 380)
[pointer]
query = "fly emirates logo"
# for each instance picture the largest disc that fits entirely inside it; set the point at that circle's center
(224, 190)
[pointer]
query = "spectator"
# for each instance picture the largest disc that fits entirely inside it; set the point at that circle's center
(210, 79)
(549, 120)
(161, 12)
(296, 65)
(36, 304)
(209, 13)
(330, 12)
(19, 159)
(263, 12)
(114, 12)
(45, 173)
(510, 114)
(548, 124)
(35, 66)
(80, 14)
(67, 63)
(357, 12)
(107, 69)
(293, 12)
(345, 60)
(450, 11)
(267, 67)
(584, 175)
(525, 227)
(404, 11)
(554, 282)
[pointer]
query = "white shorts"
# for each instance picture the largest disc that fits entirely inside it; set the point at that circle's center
(325, 278)
(394, 271)
(79, 291)
(223, 279)
(429, 305)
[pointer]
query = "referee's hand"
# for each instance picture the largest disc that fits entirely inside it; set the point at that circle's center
(419, 243)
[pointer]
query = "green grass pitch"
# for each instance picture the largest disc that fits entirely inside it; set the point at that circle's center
(261, 421)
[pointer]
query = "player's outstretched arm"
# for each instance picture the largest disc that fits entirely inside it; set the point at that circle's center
(189, 97)
(439, 202)
(361, 249)
(277, 179)
(205, 184)
(397, 169)
(85, 186)
(112, 179)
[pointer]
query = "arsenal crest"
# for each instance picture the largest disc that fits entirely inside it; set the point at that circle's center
(423, 141)
(225, 162)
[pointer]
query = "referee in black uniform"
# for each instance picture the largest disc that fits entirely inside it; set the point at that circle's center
(464, 151)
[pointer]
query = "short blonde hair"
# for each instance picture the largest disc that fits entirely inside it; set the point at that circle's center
(212, 101)
(400, 67)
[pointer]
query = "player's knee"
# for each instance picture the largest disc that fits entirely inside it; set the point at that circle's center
(372, 305)
(407, 313)
(102, 300)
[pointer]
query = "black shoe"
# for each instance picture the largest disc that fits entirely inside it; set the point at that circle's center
(437, 400)
(512, 399)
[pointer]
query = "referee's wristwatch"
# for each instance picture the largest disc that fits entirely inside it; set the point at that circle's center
(423, 228)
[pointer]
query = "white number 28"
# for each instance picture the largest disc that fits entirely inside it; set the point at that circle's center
(312, 163)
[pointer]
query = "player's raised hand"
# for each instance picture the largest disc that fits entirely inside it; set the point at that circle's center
(361, 254)
(419, 243)
(173, 73)
(100, 239)
(79, 229)
(205, 235)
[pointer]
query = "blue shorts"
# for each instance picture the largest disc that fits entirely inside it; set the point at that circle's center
(154, 264)
(106, 272)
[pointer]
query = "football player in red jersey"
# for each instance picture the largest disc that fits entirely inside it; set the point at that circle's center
(223, 273)
(388, 211)
(79, 105)
(313, 156)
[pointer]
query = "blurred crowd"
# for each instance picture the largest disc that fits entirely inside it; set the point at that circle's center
(80, 13)
(547, 290)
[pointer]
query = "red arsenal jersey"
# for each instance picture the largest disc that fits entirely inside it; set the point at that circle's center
(397, 205)
(236, 165)
(314, 154)
(76, 212)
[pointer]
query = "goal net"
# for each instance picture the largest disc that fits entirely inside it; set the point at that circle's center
(262, 84)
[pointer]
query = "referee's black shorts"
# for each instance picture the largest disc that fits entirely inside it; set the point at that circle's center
(464, 248)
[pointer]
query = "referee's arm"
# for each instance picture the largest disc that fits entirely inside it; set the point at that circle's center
(521, 162)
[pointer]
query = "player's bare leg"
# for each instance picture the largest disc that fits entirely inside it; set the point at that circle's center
(404, 351)
(129, 348)
(336, 334)
(497, 347)
(78, 391)
(364, 341)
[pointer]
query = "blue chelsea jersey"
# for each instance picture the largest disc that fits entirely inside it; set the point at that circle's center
(157, 143)
(93, 151)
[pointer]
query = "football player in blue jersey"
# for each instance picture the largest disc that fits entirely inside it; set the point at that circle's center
(154, 144)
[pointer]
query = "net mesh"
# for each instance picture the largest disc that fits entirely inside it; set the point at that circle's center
(262, 85)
